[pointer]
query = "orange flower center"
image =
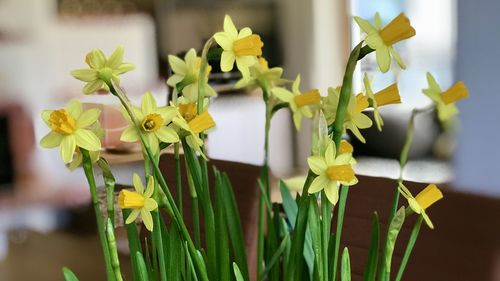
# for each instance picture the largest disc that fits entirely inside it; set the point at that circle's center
(248, 46)
(389, 95)
(340, 173)
(455, 93)
(397, 30)
(188, 111)
(308, 98)
(152, 122)
(201, 123)
(61, 122)
(128, 199)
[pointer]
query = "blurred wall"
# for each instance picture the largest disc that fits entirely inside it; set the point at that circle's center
(478, 60)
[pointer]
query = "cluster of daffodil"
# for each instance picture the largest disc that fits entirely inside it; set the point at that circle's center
(298, 246)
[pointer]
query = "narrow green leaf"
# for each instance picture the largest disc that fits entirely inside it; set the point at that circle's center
(392, 235)
(69, 275)
(315, 230)
(221, 231)
(237, 272)
(371, 265)
(276, 256)
(345, 267)
(141, 266)
(234, 227)
(409, 247)
(134, 243)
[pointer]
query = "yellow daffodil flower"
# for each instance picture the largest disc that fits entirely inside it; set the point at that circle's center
(242, 47)
(331, 170)
(190, 124)
(262, 76)
(354, 118)
(70, 129)
(381, 39)
(102, 71)
(444, 100)
(187, 72)
(152, 123)
(427, 197)
(345, 147)
(139, 201)
(299, 102)
(389, 95)
(94, 155)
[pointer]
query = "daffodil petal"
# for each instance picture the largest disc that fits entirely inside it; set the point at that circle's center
(427, 220)
(383, 59)
(95, 59)
(332, 192)
(116, 58)
(88, 118)
(138, 186)
(224, 40)
(51, 140)
(297, 119)
(397, 58)
(130, 134)
(167, 113)
(147, 219)
(153, 143)
(46, 116)
(92, 87)
(365, 25)
(133, 216)
(174, 79)
(87, 139)
(227, 61)
(85, 75)
(178, 66)
(124, 67)
(181, 123)
(245, 32)
(148, 103)
(166, 134)
(318, 184)
(243, 63)
(150, 204)
(68, 146)
(317, 164)
(229, 27)
(74, 108)
(362, 121)
(295, 85)
(150, 188)
(330, 153)
(282, 94)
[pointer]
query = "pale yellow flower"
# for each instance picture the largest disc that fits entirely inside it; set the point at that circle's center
(354, 118)
(381, 39)
(262, 76)
(241, 47)
(139, 201)
(190, 125)
(389, 95)
(187, 72)
(331, 170)
(102, 70)
(94, 155)
(71, 129)
(300, 103)
(153, 121)
(444, 100)
(426, 198)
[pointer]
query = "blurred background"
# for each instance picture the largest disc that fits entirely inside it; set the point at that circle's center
(41, 41)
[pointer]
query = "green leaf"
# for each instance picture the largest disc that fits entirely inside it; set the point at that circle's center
(234, 227)
(345, 267)
(392, 235)
(69, 275)
(409, 247)
(314, 228)
(221, 231)
(276, 256)
(371, 265)
(237, 272)
(141, 266)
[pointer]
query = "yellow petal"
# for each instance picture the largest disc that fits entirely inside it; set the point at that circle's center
(150, 204)
(116, 58)
(148, 103)
(166, 134)
(74, 108)
(318, 184)
(365, 25)
(138, 186)
(224, 40)
(51, 140)
(68, 146)
(383, 58)
(332, 192)
(229, 27)
(124, 67)
(147, 219)
(92, 87)
(85, 75)
(87, 139)
(88, 118)
(150, 187)
(317, 164)
(130, 134)
(227, 61)
(133, 216)
(178, 66)
(95, 59)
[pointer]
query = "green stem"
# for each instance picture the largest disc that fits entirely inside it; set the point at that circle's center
(409, 247)
(115, 262)
(89, 173)
(195, 207)
(344, 190)
(198, 261)
(178, 175)
(326, 212)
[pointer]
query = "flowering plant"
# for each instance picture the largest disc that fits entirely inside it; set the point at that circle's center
(298, 246)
